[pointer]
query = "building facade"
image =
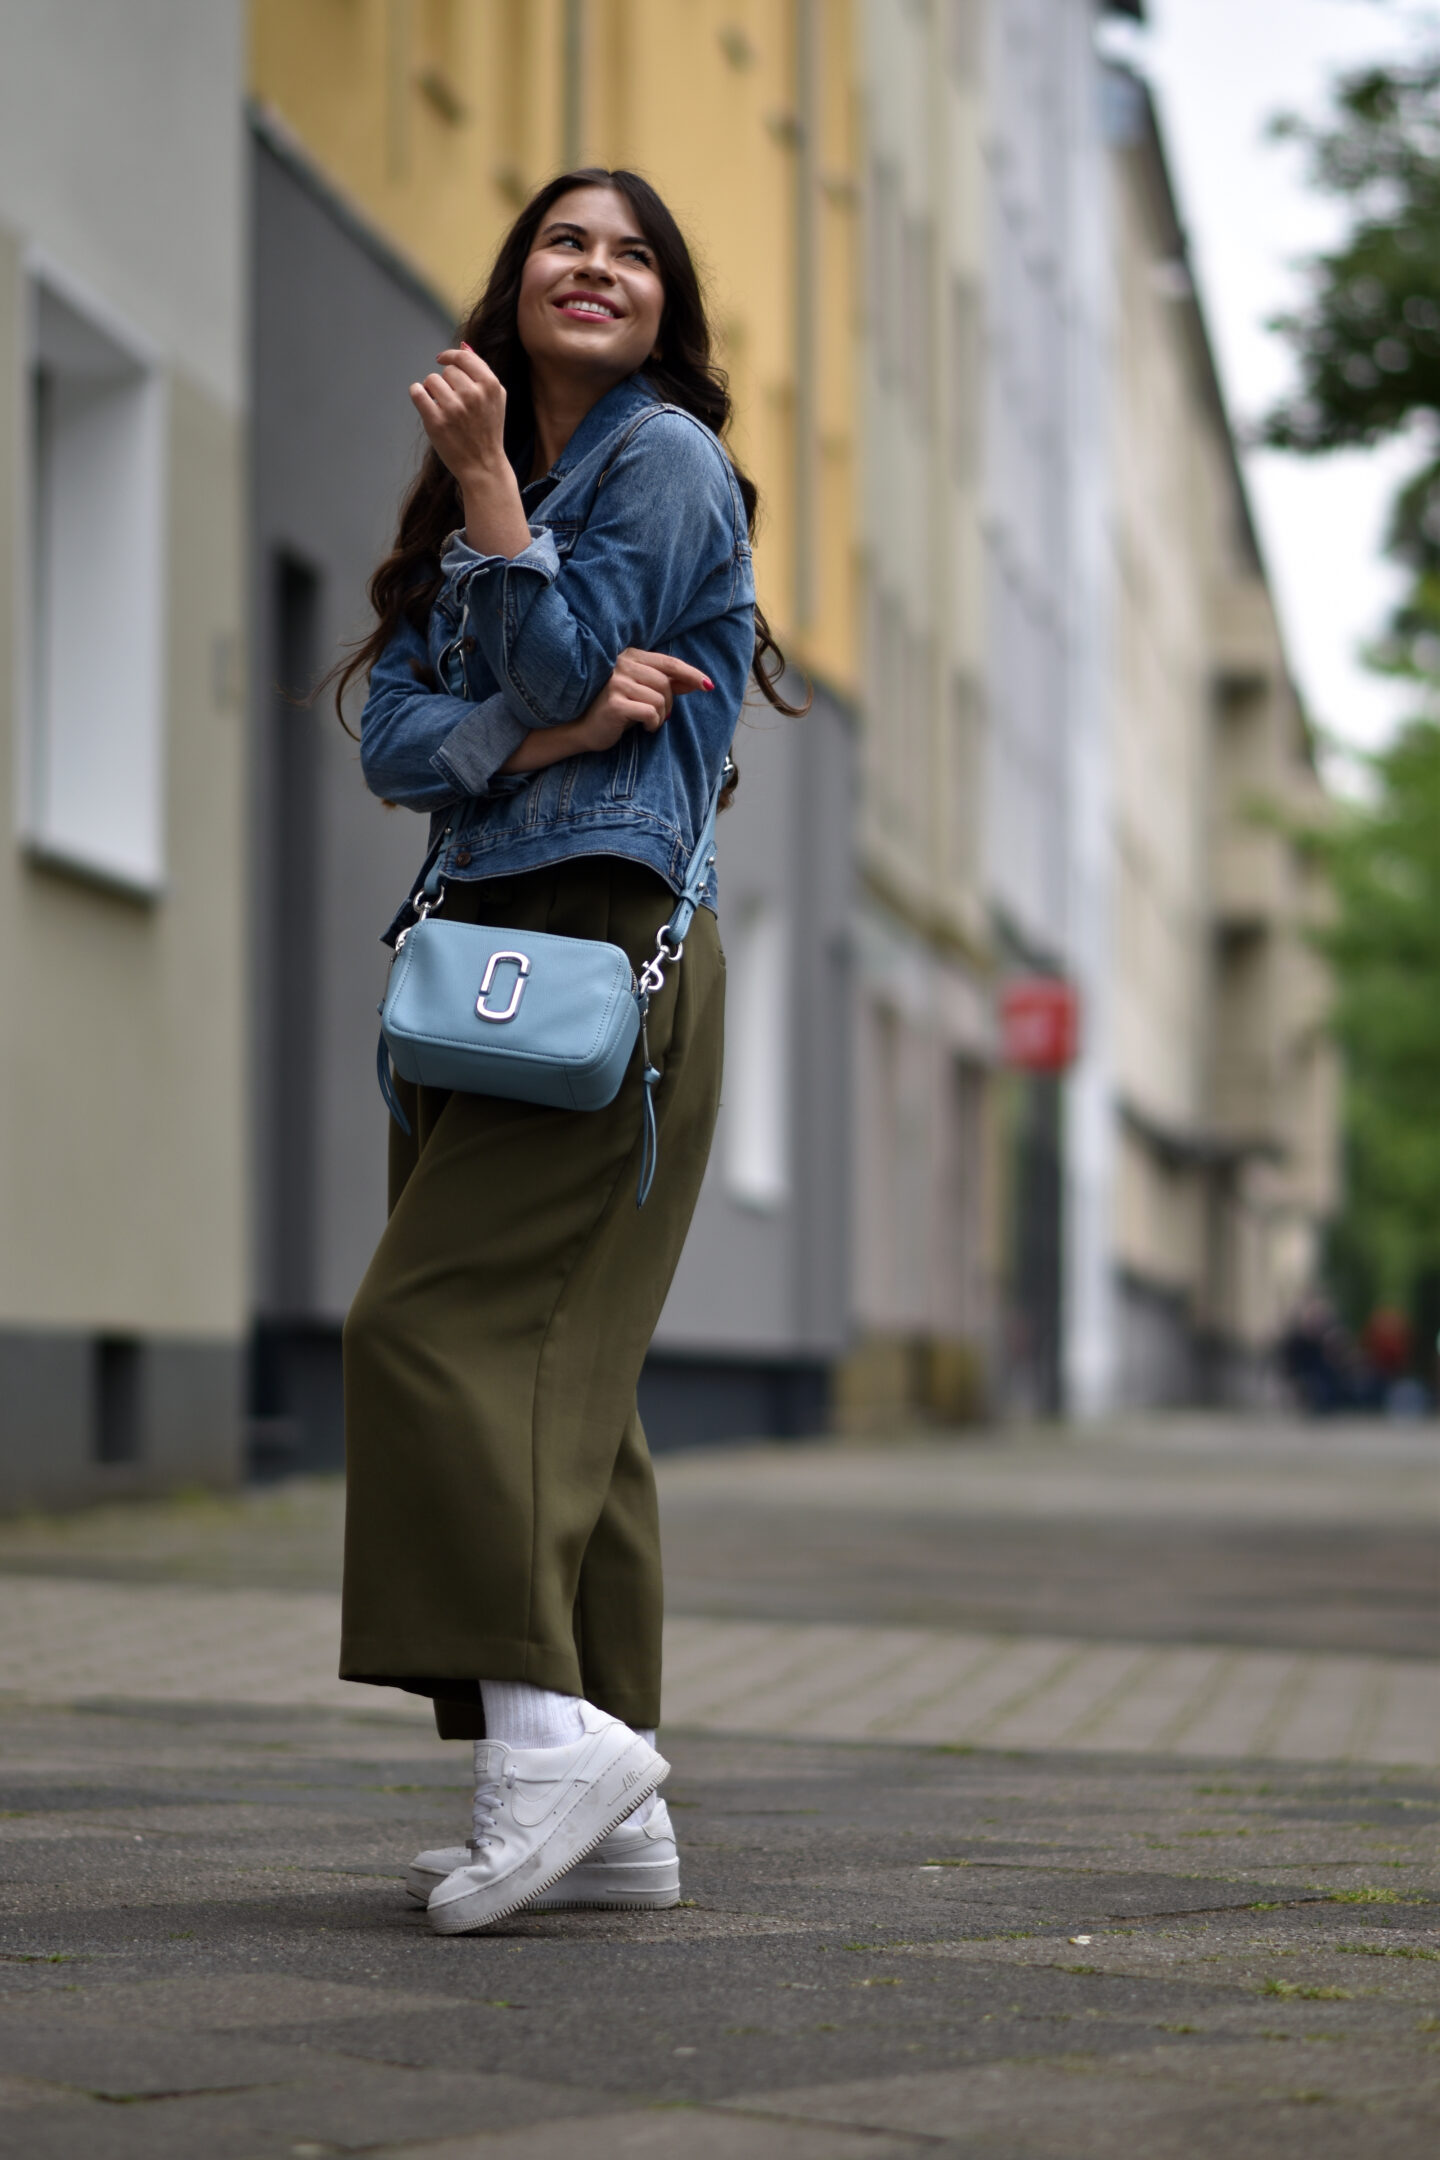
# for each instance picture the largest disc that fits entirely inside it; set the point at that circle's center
(1081, 761)
(123, 881)
(982, 1258)
(425, 128)
(1224, 1077)
(924, 1280)
(1005, 537)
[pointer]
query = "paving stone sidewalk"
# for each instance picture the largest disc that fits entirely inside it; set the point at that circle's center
(1153, 1871)
(1204, 1589)
(63, 1641)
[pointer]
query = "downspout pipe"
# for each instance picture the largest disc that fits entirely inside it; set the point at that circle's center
(572, 61)
(807, 128)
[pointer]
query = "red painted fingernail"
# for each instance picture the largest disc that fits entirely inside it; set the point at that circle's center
(466, 345)
(707, 682)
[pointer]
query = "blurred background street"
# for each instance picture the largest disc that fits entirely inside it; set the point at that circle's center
(1140, 1844)
(1207, 1586)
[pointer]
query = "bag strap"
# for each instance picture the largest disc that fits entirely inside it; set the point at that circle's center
(669, 946)
(697, 876)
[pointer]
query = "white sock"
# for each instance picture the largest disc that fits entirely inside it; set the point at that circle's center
(525, 1717)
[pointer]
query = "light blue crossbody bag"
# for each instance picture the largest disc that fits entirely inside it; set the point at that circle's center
(521, 1014)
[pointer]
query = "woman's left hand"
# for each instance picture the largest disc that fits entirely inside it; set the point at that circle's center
(462, 409)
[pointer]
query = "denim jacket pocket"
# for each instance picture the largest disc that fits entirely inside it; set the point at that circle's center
(624, 762)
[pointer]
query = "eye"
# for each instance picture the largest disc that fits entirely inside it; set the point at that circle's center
(642, 256)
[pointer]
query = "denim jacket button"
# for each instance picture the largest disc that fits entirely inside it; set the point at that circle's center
(461, 858)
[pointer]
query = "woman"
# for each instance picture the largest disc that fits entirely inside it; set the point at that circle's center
(576, 512)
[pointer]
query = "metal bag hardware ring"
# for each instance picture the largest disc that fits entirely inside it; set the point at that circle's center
(523, 964)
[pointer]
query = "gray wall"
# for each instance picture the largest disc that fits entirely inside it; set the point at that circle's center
(760, 1305)
(339, 328)
(90, 1417)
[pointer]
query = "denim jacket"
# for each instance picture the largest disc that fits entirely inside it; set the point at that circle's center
(638, 537)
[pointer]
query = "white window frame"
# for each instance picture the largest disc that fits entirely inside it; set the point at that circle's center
(92, 649)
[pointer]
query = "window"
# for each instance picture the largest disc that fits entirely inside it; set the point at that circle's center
(117, 1400)
(293, 972)
(966, 34)
(886, 736)
(94, 790)
(965, 1213)
(917, 316)
(967, 381)
(967, 768)
(757, 1058)
(887, 295)
(902, 315)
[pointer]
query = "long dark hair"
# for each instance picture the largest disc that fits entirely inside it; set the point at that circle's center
(683, 373)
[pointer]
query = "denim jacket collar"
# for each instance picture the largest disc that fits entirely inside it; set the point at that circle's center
(612, 411)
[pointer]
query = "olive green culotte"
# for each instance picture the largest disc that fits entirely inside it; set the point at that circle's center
(500, 1504)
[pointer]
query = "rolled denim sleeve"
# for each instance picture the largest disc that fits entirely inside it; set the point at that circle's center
(424, 748)
(663, 523)
(484, 576)
(483, 586)
(474, 751)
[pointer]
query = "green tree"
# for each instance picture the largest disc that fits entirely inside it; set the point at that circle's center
(1368, 338)
(1367, 344)
(1385, 946)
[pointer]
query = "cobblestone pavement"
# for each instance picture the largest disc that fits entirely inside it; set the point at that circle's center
(1038, 1801)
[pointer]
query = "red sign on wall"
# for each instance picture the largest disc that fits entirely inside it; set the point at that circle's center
(1039, 1023)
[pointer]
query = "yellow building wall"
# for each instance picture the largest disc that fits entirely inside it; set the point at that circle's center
(438, 118)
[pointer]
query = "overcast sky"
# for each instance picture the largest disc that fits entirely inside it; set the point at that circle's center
(1220, 69)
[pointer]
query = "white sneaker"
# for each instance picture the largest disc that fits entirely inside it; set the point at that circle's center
(636, 1868)
(538, 1811)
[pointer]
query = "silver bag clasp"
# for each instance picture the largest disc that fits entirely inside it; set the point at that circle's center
(522, 965)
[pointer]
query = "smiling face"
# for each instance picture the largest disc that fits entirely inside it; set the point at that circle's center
(590, 293)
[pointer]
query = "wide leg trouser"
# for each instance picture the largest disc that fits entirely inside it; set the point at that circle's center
(501, 1519)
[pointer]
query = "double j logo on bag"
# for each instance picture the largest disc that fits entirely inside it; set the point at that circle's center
(521, 964)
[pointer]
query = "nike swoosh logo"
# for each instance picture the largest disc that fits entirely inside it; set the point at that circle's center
(530, 1812)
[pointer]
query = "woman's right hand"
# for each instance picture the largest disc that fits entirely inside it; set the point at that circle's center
(640, 693)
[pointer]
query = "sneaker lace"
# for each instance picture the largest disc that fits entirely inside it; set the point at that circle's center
(489, 1797)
